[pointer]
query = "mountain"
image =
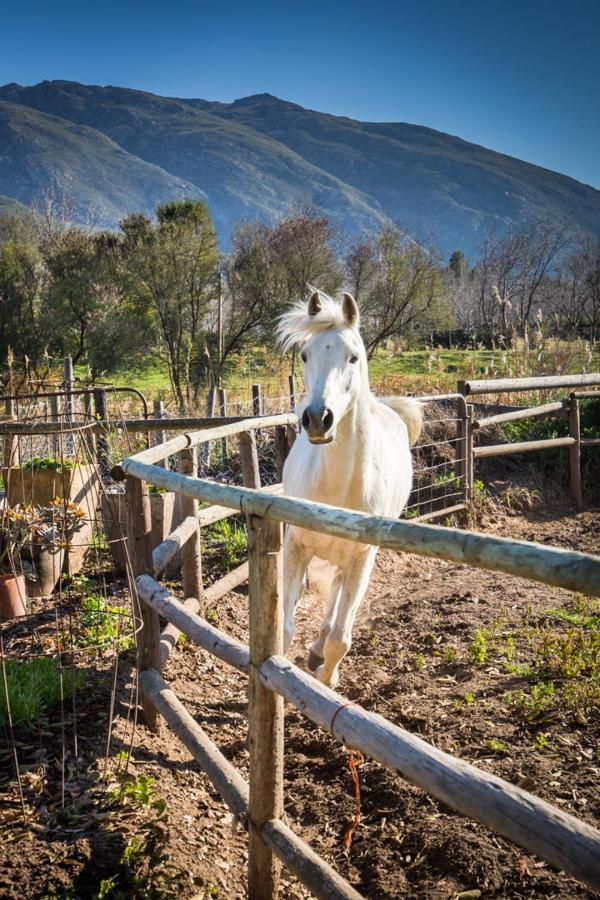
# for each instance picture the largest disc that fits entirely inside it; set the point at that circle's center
(116, 150)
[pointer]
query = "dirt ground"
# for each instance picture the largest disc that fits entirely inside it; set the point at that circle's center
(413, 662)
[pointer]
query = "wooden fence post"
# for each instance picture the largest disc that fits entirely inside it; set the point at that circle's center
(210, 411)
(191, 558)
(265, 708)
(575, 451)
(139, 531)
(160, 436)
(68, 382)
(292, 393)
(462, 426)
(55, 417)
(256, 400)
(282, 449)
(469, 454)
(102, 453)
(223, 413)
(249, 459)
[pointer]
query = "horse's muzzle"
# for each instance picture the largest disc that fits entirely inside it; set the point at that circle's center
(317, 421)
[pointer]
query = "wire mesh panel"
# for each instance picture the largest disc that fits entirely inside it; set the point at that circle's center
(439, 462)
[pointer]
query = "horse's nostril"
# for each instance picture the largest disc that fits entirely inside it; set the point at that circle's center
(328, 419)
(305, 419)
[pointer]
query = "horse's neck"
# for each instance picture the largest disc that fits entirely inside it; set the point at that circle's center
(346, 466)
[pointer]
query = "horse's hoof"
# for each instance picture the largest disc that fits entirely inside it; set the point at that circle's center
(330, 681)
(314, 661)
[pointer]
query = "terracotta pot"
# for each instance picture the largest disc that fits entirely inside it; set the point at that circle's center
(47, 564)
(80, 485)
(13, 596)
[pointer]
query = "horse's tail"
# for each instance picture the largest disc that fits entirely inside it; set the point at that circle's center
(410, 411)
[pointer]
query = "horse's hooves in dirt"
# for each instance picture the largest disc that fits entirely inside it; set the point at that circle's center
(314, 661)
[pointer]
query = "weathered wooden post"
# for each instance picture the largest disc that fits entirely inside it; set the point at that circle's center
(210, 411)
(469, 454)
(249, 459)
(223, 413)
(462, 426)
(575, 450)
(89, 437)
(292, 386)
(160, 436)
(139, 530)
(55, 417)
(257, 403)
(68, 383)
(282, 449)
(191, 558)
(265, 708)
(102, 453)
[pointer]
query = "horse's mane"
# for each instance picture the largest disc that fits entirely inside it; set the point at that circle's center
(296, 325)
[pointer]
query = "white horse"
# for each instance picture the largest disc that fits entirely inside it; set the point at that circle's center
(353, 451)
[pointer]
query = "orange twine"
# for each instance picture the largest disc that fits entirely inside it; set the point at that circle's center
(355, 760)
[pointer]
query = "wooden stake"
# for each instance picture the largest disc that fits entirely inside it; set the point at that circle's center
(160, 436)
(265, 709)
(191, 558)
(139, 530)
(101, 443)
(575, 451)
(249, 459)
(223, 414)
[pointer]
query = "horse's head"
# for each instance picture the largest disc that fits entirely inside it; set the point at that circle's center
(335, 362)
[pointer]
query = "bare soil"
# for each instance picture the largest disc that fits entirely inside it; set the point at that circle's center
(410, 662)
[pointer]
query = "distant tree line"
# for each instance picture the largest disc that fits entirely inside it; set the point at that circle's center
(161, 288)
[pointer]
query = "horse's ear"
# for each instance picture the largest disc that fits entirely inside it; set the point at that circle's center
(350, 310)
(314, 304)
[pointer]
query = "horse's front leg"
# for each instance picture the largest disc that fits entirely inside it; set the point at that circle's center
(315, 655)
(295, 562)
(339, 639)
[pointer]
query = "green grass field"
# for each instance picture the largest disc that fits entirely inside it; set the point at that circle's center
(409, 371)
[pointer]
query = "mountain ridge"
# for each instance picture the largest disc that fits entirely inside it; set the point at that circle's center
(261, 157)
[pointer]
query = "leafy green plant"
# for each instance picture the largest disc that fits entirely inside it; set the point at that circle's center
(496, 746)
(535, 704)
(47, 462)
(104, 624)
(140, 790)
(234, 538)
(478, 648)
(211, 615)
(34, 687)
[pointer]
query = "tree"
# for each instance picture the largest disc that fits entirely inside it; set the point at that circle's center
(269, 267)
(23, 281)
(399, 285)
(171, 267)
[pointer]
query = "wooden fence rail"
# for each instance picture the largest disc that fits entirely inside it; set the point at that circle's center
(568, 407)
(541, 828)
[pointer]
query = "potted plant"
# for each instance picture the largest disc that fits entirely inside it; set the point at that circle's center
(39, 481)
(52, 528)
(14, 531)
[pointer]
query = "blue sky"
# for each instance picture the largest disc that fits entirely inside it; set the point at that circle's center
(519, 77)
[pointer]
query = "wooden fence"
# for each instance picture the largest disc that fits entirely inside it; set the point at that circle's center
(566, 408)
(541, 828)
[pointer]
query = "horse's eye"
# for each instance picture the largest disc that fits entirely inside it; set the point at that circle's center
(354, 358)
(303, 355)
